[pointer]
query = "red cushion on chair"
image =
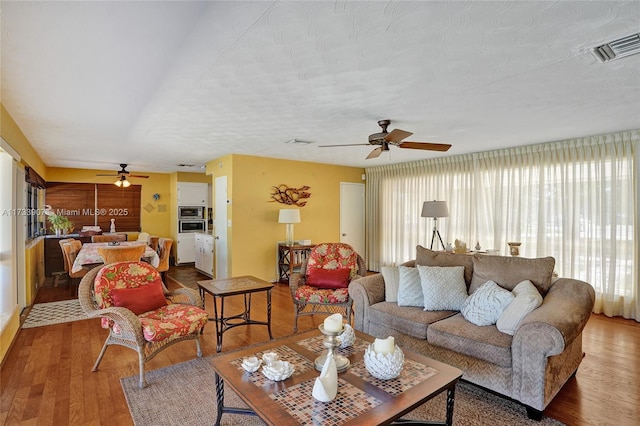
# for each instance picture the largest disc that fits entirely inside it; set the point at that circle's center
(328, 278)
(140, 299)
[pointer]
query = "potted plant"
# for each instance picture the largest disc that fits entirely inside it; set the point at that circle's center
(60, 224)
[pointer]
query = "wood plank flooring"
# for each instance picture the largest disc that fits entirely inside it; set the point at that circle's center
(46, 377)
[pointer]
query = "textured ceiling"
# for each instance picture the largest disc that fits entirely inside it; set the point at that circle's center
(157, 84)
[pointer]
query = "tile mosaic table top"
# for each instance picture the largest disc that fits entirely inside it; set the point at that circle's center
(361, 399)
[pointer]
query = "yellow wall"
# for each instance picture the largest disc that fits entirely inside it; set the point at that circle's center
(255, 219)
(34, 265)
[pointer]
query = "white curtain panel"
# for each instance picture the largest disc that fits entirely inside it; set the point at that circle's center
(576, 200)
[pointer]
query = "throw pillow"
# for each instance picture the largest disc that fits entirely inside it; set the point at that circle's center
(428, 257)
(409, 289)
(509, 271)
(443, 288)
(486, 304)
(140, 299)
(391, 276)
(328, 278)
(527, 298)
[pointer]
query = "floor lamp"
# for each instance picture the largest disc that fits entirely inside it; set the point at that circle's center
(289, 216)
(435, 209)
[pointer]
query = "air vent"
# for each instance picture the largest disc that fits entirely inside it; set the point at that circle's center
(625, 46)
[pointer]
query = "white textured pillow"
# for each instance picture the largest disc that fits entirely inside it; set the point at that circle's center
(443, 288)
(391, 276)
(527, 298)
(409, 289)
(486, 304)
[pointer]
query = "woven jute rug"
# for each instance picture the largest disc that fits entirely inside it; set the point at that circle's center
(185, 394)
(54, 313)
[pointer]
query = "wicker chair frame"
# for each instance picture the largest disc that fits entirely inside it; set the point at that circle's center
(298, 279)
(131, 335)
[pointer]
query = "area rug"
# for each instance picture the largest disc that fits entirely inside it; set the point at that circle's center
(54, 313)
(185, 394)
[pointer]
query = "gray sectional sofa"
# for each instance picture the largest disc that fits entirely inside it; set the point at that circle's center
(530, 367)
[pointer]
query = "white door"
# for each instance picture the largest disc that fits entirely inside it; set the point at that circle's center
(352, 216)
(220, 225)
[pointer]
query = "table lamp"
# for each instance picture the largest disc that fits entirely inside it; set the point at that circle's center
(435, 209)
(289, 216)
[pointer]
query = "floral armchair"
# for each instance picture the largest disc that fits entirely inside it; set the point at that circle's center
(322, 284)
(139, 311)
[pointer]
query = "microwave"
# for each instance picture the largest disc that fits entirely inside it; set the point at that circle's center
(185, 226)
(189, 212)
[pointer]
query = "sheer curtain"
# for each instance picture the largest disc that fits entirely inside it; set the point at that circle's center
(575, 200)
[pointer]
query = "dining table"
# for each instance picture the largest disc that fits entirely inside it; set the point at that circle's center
(88, 255)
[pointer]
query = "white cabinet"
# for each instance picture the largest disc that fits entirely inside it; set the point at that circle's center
(204, 253)
(186, 248)
(193, 194)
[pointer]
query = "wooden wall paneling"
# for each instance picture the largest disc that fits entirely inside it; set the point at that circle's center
(74, 200)
(121, 204)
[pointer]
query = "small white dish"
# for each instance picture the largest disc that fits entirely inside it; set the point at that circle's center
(251, 364)
(269, 357)
(347, 338)
(278, 370)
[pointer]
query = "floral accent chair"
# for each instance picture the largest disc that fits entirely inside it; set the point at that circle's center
(322, 284)
(139, 311)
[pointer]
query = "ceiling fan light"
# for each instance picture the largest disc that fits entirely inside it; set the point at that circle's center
(118, 183)
(126, 183)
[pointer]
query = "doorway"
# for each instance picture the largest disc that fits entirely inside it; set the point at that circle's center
(352, 229)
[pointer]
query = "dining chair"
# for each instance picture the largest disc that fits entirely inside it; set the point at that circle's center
(108, 238)
(322, 284)
(164, 250)
(112, 254)
(70, 251)
(58, 274)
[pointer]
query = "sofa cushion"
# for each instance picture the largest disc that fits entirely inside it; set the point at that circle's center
(509, 271)
(428, 257)
(459, 335)
(443, 288)
(391, 276)
(409, 287)
(409, 320)
(486, 304)
(527, 298)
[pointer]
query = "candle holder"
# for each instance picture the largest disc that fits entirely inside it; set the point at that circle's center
(331, 342)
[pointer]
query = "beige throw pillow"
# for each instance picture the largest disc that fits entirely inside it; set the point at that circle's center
(527, 299)
(443, 288)
(409, 289)
(486, 304)
(391, 276)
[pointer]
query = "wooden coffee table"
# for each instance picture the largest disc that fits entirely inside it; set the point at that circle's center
(222, 288)
(362, 399)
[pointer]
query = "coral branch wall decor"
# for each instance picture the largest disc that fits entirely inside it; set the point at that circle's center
(290, 196)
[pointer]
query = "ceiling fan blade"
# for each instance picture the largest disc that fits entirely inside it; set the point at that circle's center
(425, 145)
(138, 176)
(104, 174)
(397, 135)
(375, 153)
(350, 144)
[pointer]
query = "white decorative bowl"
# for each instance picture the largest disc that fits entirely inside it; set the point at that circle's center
(347, 337)
(278, 370)
(384, 366)
(269, 357)
(251, 364)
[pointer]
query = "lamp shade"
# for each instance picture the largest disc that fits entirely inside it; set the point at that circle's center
(435, 209)
(289, 216)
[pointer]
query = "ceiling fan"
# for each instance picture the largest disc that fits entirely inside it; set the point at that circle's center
(122, 175)
(394, 138)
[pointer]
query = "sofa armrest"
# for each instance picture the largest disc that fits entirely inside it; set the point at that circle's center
(560, 319)
(365, 292)
(547, 331)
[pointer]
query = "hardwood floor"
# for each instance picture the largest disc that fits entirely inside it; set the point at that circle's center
(46, 377)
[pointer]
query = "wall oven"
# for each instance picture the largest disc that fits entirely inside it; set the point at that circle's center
(185, 226)
(190, 212)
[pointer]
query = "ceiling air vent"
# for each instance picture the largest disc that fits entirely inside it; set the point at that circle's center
(625, 46)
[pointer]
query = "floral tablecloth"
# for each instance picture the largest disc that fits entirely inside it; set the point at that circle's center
(88, 254)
